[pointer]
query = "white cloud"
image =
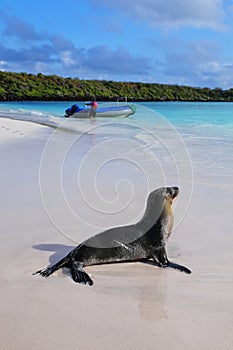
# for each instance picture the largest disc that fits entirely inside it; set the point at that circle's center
(3, 65)
(172, 13)
(16, 27)
(197, 63)
(217, 74)
(119, 61)
(67, 59)
(57, 55)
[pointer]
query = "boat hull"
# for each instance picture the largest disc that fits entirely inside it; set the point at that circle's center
(107, 112)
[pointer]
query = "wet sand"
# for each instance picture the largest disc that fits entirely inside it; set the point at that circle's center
(130, 306)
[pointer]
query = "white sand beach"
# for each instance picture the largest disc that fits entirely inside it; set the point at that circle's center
(130, 306)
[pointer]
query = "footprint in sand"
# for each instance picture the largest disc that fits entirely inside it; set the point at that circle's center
(19, 133)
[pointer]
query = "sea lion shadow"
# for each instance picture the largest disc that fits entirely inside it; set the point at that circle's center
(59, 251)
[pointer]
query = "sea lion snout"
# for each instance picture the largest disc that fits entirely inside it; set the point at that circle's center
(172, 192)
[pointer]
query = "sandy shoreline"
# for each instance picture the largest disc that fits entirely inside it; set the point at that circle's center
(131, 306)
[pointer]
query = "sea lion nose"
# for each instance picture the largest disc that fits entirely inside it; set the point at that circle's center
(175, 191)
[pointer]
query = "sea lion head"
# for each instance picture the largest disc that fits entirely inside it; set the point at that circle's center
(171, 193)
(163, 194)
(159, 203)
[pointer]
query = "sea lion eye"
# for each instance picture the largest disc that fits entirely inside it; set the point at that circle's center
(169, 191)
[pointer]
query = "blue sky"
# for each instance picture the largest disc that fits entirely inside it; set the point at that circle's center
(184, 42)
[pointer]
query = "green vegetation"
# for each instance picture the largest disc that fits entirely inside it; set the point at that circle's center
(28, 87)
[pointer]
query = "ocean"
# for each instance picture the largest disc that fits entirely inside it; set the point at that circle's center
(200, 134)
(110, 163)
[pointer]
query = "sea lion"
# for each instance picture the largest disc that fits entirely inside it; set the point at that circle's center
(138, 242)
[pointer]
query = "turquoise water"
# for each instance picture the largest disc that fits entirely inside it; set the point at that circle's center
(35, 108)
(197, 137)
(193, 113)
(179, 113)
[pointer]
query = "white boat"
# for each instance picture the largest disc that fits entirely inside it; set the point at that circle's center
(119, 110)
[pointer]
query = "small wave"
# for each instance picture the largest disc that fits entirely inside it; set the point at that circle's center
(23, 112)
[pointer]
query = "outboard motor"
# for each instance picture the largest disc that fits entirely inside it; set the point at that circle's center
(71, 110)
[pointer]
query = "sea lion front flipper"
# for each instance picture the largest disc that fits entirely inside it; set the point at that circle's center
(160, 257)
(79, 275)
(161, 260)
(178, 267)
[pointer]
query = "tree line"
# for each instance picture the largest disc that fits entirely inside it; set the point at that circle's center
(40, 87)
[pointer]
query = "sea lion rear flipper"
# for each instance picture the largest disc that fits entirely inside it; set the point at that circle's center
(51, 269)
(45, 272)
(178, 267)
(79, 275)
